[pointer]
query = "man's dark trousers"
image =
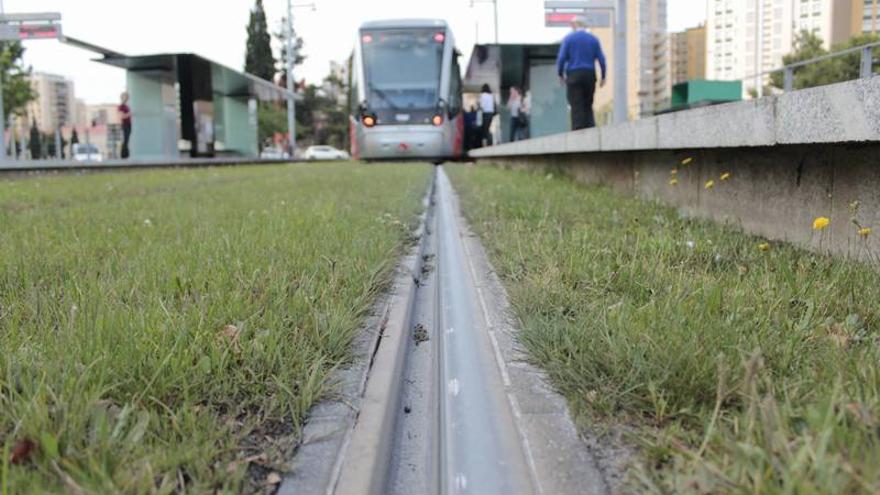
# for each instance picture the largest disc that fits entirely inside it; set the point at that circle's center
(581, 89)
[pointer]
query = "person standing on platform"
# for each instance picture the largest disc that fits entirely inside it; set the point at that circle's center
(125, 119)
(487, 110)
(576, 66)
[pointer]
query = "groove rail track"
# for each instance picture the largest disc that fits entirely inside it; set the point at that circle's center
(449, 407)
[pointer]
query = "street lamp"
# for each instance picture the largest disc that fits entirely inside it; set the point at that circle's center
(495, 3)
(291, 61)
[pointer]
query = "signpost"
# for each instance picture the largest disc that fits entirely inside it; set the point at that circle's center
(23, 27)
(598, 14)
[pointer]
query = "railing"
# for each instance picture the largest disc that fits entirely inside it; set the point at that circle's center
(866, 67)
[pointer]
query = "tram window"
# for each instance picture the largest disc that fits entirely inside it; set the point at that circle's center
(455, 97)
(402, 69)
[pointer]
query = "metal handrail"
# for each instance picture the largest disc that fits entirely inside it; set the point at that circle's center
(866, 66)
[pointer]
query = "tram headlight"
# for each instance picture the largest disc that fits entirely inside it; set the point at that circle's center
(369, 120)
(437, 120)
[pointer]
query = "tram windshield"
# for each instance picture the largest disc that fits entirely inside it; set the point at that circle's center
(402, 68)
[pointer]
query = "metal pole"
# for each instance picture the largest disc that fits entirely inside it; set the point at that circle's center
(2, 111)
(496, 20)
(789, 80)
(291, 102)
(867, 68)
(621, 86)
(759, 48)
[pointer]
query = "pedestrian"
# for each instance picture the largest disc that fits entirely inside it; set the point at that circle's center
(471, 129)
(576, 66)
(487, 108)
(518, 116)
(125, 119)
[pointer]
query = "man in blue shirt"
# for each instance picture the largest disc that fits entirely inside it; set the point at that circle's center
(576, 66)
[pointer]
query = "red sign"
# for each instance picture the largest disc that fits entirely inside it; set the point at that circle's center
(39, 31)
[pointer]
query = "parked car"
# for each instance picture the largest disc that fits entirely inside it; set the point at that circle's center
(325, 153)
(274, 153)
(83, 152)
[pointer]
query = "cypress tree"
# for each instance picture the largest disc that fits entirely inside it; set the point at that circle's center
(259, 60)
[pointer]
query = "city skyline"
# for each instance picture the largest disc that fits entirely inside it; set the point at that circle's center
(100, 84)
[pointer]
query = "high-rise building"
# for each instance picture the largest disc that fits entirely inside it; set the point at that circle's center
(647, 60)
(749, 37)
(687, 55)
(55, 105)
(865, 17)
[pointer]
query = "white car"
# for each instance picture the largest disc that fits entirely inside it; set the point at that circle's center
(325, 153)
(83, 152)
(274, 153)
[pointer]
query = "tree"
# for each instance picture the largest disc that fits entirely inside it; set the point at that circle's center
(15, 77)
(809, 46)
(258, 58)
(300, 57)
(35, 144)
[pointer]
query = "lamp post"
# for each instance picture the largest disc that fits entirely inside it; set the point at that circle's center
(291, 85)
(495, 4)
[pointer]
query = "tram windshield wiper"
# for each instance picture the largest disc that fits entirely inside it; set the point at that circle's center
(385, 97)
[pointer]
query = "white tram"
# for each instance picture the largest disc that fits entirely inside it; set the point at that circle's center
(406, 92)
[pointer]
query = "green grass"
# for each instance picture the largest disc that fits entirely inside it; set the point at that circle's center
(735, 370)
(117, 292)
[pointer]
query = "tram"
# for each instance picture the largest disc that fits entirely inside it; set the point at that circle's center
(406, 92)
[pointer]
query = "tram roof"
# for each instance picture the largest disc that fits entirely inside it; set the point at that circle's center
(405, 23)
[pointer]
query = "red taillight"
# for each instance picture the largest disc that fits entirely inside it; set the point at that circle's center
(367, 38)
(437, 120)
(439, 37)
(369, 121)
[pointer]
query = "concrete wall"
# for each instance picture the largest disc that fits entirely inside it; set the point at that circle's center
(791, 158)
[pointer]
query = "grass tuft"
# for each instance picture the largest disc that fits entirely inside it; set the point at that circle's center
(742, 367)
(163, 331)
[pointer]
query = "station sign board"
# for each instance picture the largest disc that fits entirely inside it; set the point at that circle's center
(34, 26)
(595, 14)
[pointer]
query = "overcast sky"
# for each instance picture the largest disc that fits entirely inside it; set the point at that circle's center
(216, 29)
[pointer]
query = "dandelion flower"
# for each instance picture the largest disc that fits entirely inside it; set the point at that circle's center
(710, 184)
(687, 160)
(764, 246)
(673, 182)
(821, 222)
(865, 232)
(148, 222)
(725, 176)
(673, 171)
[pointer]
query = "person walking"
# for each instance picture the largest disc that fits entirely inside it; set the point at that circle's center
(487, 108)
(518, 118)
(576, 65)
(125, 119)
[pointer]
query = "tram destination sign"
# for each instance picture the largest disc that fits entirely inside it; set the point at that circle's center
(38, 26)
(596, 14)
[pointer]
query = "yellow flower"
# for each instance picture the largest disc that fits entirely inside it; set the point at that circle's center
(725, 176)
(673, 182)
(710, 184)
(821, 222)
(673, 171)
(764, 246)
(865, 232)
(687, 160)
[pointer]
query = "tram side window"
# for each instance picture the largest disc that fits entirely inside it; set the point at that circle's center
(455, 97)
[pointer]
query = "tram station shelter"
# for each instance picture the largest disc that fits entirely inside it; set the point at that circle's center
(185, 105)
(528, 66)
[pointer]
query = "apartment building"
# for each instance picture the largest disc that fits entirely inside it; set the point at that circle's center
(687, 55)
(647, 60)
(56, 104)
(865, 17)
